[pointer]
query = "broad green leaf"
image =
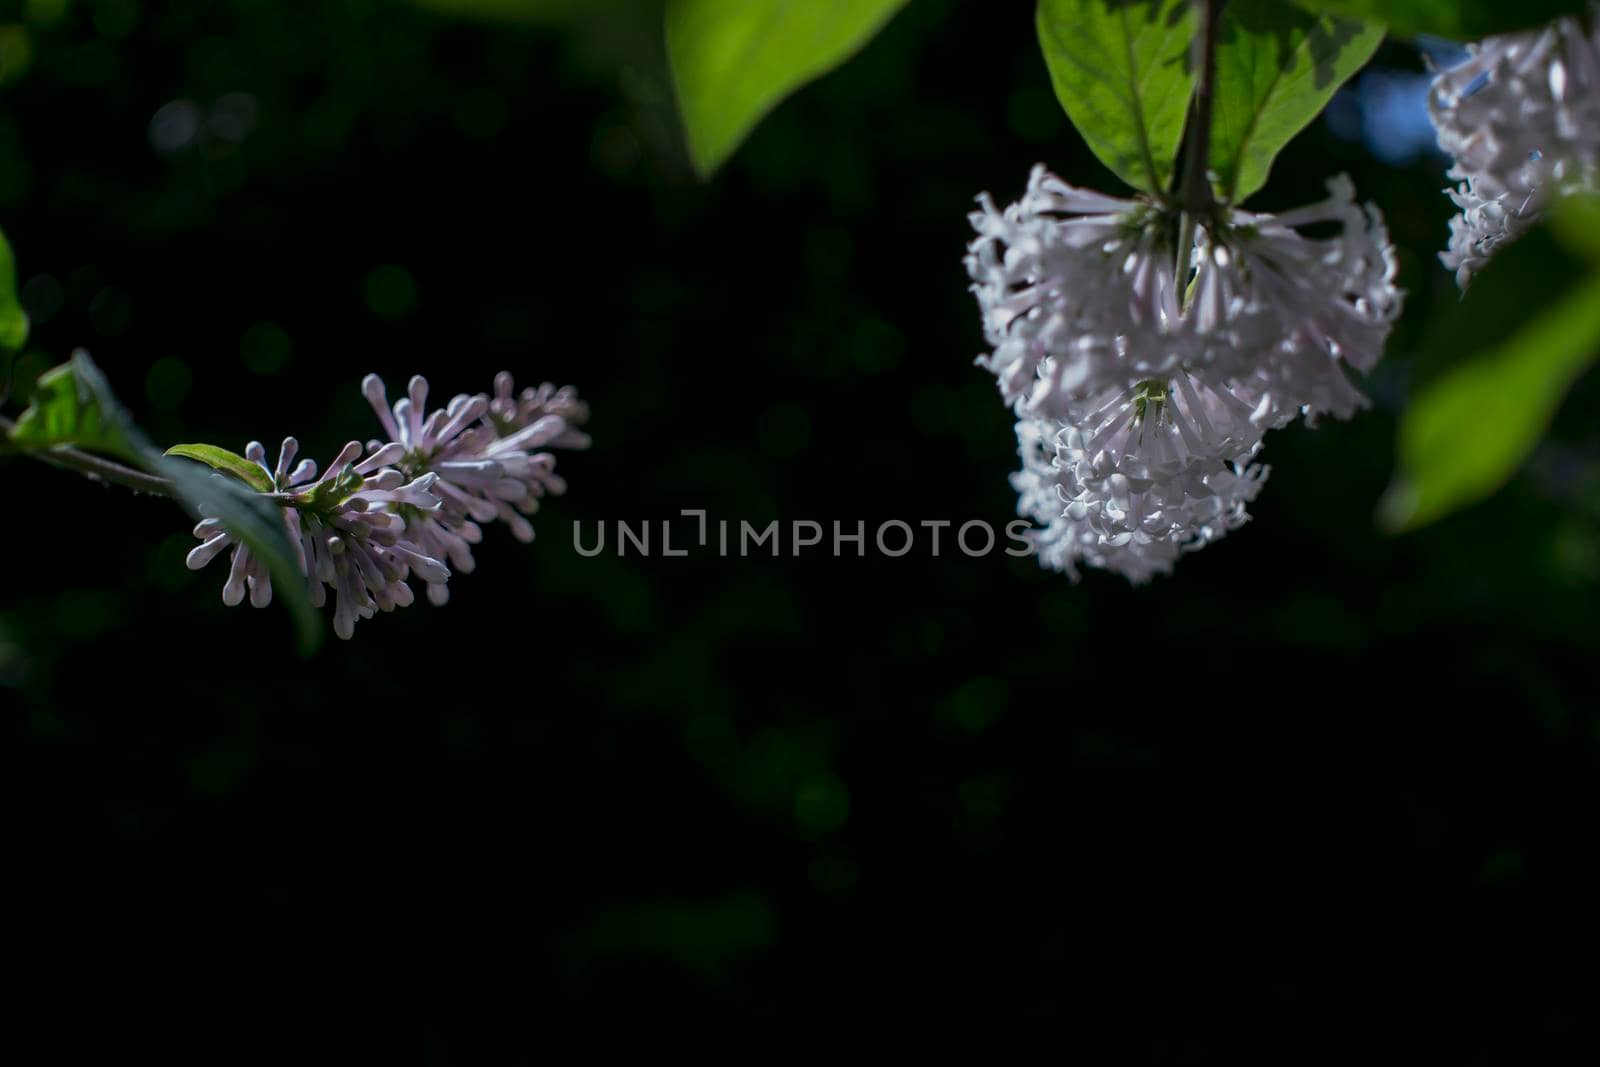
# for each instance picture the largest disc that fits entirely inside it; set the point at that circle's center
(67, 410)
(1277, 67)
(220, 459)
(1473, 423)
(1461, 20)
(733, 61)
(13, 320)
(1121, 69)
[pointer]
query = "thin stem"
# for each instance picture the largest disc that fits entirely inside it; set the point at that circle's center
(1195, 200)
(1194, 191)
(97, 467)
(1185, 248)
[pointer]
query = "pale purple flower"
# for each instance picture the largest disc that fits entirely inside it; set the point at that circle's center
(510, 410)
(345, 535)
(1520, 119)
(490, 456)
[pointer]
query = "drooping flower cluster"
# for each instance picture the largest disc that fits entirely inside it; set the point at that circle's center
(1520, 119)
(1142, 392)
(415, 501)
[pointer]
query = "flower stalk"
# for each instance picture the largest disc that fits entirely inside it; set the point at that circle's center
(96, 467)
(1194, 197)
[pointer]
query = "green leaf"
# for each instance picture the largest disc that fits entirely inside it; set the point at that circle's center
(220, 459)
(73, 406)
(1277, 67)
(1474, 422)
(13, 320)
(67, 409)
(258, 523)
(733, 61)
(1121, 69)
(1461, 20)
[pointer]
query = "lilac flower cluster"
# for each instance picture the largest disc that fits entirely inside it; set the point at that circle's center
(1520, 119)
(412, 503)
(1142, 391)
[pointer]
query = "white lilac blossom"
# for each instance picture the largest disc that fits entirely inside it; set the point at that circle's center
(1520, 119)
(1154, 406)
(1078, 298)
(489, 455)
(1061, 543)
(345, 534)
(1291, 314)
(1060, 277)
(1163, 464)
(1110, 510)
(1483, 225)
(1146, 350)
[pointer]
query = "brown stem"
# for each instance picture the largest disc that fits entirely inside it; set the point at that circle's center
(1194, 198)
(1194, 192)
(97, 467)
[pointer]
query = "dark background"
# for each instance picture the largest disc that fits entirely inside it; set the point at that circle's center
(1319, 781)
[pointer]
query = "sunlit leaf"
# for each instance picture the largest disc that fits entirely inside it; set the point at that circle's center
(733, 61)
(1459, 19)
(1277, 67)
(220, 459)
(1474, 422)
(1121, 69)
(66, 409)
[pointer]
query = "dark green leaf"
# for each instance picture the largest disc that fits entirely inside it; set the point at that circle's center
(1121, 69)
(1498, 369)
(1462, 20)
(220, 459)
(733, 61)
(256, 522)
(1277, 67)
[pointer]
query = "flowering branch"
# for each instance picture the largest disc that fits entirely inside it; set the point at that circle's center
(1144, 377)
(415, 503)
(379, 515)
